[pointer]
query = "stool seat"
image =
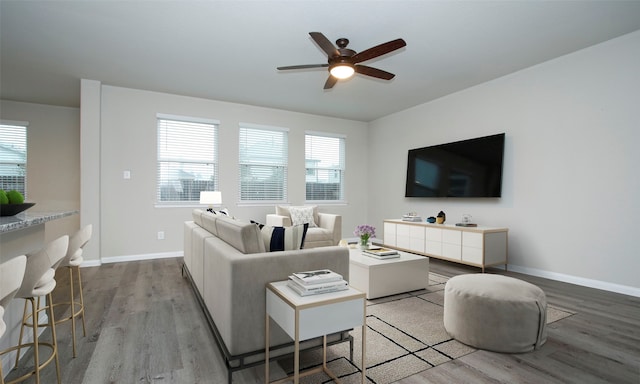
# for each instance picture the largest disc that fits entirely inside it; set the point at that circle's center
(3, 326)
(38, 281)
(495, 312)
(72, 261)
(11, 276)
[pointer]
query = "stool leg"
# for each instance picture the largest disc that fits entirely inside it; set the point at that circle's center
(54, 339)
(24, 316)
(73, 311)
(84, 329)
(36, 349)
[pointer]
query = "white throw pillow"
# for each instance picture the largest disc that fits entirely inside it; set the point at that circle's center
(302, 215)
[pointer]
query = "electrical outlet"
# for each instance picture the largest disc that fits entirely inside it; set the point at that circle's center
(160, 235)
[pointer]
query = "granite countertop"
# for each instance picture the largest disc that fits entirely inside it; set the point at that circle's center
(28, 219)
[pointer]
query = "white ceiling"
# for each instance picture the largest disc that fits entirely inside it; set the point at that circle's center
(229, 50)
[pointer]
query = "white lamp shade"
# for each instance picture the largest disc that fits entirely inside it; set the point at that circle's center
(211, 197)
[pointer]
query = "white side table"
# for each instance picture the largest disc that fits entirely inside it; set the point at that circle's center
(306, 317)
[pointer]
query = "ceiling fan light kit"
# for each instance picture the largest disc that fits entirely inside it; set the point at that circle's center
(343, 62)
(342, 71)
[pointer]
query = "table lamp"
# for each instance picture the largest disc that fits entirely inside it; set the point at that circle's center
(211, 198)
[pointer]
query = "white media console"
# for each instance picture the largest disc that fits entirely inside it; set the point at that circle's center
(477, 246)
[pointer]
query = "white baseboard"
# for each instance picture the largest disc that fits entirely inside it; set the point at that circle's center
(147, 256)
(611, 287)
(122, 259)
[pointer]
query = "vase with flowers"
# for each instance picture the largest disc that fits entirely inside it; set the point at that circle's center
(365, 232)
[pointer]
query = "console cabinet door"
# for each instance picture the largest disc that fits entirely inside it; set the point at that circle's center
(416, 238)
(403, 236)
(433, 244)
(409, 237)
(452, 244)
(472, 247)
(390, 234)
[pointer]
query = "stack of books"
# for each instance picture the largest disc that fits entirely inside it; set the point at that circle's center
(412, 217)
(381, 253)
(317, 282)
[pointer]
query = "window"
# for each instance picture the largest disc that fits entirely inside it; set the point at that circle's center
(187, 158)
(13, 157)
(263, 163)
(324, 159)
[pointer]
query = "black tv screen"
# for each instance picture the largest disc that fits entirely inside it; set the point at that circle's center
(467, 168)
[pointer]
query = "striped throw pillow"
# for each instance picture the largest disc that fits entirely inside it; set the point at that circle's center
(283, 238)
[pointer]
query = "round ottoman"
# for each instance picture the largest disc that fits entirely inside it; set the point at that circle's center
(495, 312)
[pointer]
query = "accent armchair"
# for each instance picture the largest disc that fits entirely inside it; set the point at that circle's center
(325, 229)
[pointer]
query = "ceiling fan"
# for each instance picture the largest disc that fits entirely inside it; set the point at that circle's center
(344, 62)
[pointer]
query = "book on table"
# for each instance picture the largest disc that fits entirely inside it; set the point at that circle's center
(315, 289)
(316, 277)
(381, 253)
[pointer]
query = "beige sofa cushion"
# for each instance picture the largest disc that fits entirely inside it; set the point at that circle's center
(242, 235)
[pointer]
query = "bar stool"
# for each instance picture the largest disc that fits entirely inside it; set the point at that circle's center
(72, 261)
(39, 280)
(11, 275)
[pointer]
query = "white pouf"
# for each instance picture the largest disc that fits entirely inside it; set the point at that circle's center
(495, 312)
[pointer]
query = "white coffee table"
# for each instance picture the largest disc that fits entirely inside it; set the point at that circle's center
(378, 278)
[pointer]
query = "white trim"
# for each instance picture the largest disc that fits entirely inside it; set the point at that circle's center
(189, 119)
(14, 122)
(597, 284)
(263, 127)
(147, 256)
(125, 258)
(176, 204)
(90, 263)
(326, 134)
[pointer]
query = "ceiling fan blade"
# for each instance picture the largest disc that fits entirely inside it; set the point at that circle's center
(374, 72)
(304, 66)
(331, 81)
(378, 50)
(325, 44)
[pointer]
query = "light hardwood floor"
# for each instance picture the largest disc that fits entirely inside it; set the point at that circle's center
(145, 326)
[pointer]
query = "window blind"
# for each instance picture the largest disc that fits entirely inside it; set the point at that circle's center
(13, 157)
(263, 163)
(325, 165)
(187, 159)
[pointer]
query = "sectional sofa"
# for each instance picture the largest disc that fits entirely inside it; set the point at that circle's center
(228, 264)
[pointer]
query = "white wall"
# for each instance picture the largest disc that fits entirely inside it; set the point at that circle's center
(53, 160)
(129, 218)
(570, 180)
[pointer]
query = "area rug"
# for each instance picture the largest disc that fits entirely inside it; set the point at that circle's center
(405, 335)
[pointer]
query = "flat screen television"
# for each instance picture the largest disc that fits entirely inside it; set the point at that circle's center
(467, 168)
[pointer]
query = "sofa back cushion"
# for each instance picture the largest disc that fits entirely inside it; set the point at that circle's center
(243, 236)
(197, 216)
